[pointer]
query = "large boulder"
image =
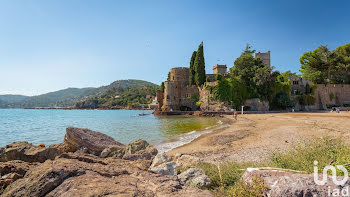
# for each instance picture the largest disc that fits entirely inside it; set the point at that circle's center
(159, 159)
(73, 174)
(94, 142)
(162, 165)
(140, 149)
(28, 152)
(167, 168)
(285, 183)
(194, 177)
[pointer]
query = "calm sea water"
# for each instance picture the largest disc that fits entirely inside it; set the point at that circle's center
(48, 126)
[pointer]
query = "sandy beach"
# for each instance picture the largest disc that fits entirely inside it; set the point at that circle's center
(254, 137)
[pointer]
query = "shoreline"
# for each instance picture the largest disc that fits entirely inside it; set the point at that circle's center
(186, 138)
(254, 137)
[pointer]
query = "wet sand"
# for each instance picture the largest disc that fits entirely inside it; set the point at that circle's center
(254, 137)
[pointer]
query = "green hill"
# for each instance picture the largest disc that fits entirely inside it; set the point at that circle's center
(70, 96)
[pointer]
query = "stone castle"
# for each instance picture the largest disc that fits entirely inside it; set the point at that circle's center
(178, 95)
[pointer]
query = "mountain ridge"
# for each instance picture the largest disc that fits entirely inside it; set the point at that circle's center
(67, 97)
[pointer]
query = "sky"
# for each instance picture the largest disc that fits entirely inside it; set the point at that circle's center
(50, 45)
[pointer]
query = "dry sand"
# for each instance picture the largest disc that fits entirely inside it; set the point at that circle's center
(254, 137)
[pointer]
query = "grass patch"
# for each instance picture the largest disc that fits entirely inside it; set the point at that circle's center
(226, 177)
(302, 156)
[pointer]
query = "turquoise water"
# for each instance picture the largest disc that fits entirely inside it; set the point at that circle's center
(48, 126)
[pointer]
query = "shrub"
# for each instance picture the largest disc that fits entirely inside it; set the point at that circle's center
(242, 189)
(303, 155)
(281, 101)
(198, 104)
(331, 96)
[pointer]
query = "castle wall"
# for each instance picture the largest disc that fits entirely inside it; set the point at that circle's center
(322, 95)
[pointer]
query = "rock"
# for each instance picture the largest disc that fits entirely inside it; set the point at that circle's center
(105, 152)
(194, 177)
(13, 170)
(140, 149)
(71, 174)
(114, 151)
(28, 152)
(2, 156)
(134, 157)
(167, 168)
(94, 141)
(117, 151)
(283, 183)
(159, 159)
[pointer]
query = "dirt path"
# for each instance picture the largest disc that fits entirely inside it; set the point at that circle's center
(254, 137)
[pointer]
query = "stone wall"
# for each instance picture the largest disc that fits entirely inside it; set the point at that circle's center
(322, 94)
(257, 105)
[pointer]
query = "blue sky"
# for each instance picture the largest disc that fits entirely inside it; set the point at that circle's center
(51, 45)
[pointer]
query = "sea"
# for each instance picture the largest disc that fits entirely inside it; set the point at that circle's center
(48, 126)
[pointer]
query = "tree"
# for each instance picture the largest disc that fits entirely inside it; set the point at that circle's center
(192, 69)
(253, 73)
(162, 86)
(318, 65)
(168, 79)
(342, 60)
(281, 101)
(199, 66)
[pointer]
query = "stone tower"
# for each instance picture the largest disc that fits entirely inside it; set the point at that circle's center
(265, 57)
(219, 69)
(178, 95)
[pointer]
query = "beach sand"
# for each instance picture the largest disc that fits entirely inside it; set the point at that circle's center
(254, 137)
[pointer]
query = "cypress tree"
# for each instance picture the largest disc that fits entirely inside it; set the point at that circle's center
(199, 66)
(192, 70)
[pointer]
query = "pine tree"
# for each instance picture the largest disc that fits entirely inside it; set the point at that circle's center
(192, 70)
(199, 66)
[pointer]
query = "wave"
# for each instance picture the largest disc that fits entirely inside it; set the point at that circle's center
(186, 138)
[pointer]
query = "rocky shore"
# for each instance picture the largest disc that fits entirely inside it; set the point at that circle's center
(90, 163)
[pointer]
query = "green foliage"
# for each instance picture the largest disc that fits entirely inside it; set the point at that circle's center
(302, 156)
(307, 99)
(331, 96)
(286, 75)
(162, 87)
(168, 78)
(242, 189)
(198, 103)
(218, 77)
(254, 74)
(323, 65)
(281, 101)
(199, 66)
(308, 89)
(192, 69)
(119, 98)
(310, 99)
(195, 97)
(230, 90)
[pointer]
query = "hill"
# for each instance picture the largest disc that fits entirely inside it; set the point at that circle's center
(70, 96)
